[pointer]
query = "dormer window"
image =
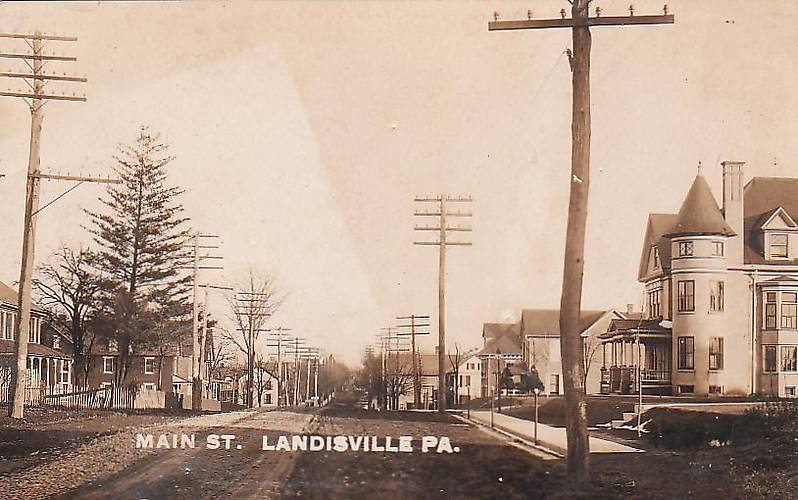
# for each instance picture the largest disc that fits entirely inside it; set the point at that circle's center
(778, 246)
(717, 248)
(655, 253)
(685, 248)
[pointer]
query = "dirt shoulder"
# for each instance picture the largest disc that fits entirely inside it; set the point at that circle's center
(43, 436)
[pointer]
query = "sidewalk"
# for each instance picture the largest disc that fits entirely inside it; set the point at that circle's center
(548, 436)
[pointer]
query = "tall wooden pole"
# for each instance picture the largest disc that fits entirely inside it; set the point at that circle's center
(442, 309)
(442, 229)
(573, 267)
(22, 328)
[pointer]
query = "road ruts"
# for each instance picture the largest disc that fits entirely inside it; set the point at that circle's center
(248, 472)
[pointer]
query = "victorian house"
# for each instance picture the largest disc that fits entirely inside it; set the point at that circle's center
(49, 360)
(721, 284)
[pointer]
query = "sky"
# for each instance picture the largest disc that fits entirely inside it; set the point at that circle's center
(302, 132)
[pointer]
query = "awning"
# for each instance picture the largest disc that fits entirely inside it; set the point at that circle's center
(176, 379)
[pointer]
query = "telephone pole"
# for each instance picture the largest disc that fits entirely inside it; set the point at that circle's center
(414, 330)
(580, 23)
(198, 244)
(36, 97)
(204, 327)
(251, 312)
(443, 229)
(277, 336)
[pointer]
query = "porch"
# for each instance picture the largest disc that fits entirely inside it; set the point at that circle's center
(629, 344)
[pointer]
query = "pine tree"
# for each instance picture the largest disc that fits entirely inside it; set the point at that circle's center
(139, 235)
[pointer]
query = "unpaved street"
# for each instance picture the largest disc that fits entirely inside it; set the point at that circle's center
(113, 467)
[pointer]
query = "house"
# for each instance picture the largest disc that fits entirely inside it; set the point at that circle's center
(502, 346)
(540, 330)
(264, 387)
(49, 361)
(721, 285)
(468, 384)
(399, 368)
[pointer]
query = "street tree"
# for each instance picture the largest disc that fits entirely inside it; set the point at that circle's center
(68, 288)
(139, 233)
(252, 303)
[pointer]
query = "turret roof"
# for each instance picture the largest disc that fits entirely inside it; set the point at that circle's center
(700, 214)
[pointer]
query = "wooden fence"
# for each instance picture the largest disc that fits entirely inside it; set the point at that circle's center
(104, 397)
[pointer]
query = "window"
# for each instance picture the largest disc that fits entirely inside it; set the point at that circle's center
(34, 334)
(685, 248)
(655, 254)
(686, 353)
(716, 353)
(789, 391)
(778, 246)
(716, 389)
(64, 373)
(148, 386)
(104, 385)
(149, 366)
(717, 248)
(770, 310)
(686, 296)
(716, 295)
(789, 309)
(655, 303)
(686, 389)
(113, 345)
(7, 323)
(554, 383)
(56, 343)
(108, 364)
(770, 359)
(788, 358)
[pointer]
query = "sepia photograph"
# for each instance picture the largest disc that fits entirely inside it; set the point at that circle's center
(399, 249)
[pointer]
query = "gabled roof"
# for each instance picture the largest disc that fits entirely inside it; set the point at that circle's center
(496, 330)
(700, 214)
(658, 225)
(547, 321)
(762, 197)
(770, 215)
(9, 296)
(506, 344)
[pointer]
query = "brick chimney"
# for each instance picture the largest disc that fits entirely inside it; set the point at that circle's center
(733, 207)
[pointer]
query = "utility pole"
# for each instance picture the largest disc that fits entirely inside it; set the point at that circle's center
(197, 339)
(573, 269)
(443, 229)
(251, 305)
(275, 339)
(205, 315)
(392, 344)
(414, 326)
(36, 97)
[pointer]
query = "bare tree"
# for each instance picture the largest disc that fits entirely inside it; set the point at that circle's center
(590, 349)
(219, 354)
(454, 360)
(398, 377)
(252, 304)
(67, 287)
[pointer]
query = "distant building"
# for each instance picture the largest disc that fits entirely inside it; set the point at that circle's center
(468, 384)
(540, 329)
(721, 288)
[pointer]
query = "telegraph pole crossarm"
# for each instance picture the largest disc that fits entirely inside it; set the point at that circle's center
(580, 23)
(442, 213)
(35, 98)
